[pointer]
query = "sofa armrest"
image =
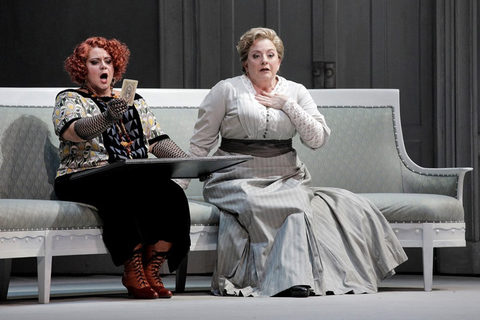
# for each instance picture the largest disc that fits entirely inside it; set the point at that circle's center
(444, 181)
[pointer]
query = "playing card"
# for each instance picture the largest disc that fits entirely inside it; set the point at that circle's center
(128, 90)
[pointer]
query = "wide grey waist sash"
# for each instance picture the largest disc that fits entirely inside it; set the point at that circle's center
(257, 148)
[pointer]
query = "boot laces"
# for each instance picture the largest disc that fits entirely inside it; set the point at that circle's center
(155, 264)
(138, 268)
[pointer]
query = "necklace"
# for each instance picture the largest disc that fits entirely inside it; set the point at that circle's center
(125, 139)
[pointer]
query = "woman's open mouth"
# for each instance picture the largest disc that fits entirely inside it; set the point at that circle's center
(104, 77)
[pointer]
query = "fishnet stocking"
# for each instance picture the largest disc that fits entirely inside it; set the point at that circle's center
(167, 148)
(90, 127)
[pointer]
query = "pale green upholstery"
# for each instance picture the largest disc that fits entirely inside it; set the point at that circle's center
(203, 213)
(417, 207)
(46, 214)
(28, 162)
(178, 123)
(363, 156)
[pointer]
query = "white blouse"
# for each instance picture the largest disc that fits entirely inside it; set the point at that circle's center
(230, 110)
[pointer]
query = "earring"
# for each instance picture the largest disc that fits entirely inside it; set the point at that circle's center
(113, 83)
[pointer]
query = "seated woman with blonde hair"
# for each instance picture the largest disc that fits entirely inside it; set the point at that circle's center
(278, 235)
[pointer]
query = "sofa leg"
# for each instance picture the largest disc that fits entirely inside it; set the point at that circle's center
(181, 276)
(44, 274)
(427, 252)
(5, 271)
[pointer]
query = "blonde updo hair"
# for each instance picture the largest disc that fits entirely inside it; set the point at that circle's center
(249, 37)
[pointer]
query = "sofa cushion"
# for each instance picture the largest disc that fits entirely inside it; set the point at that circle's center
(29, 214)
(417, 207)
(203, 213)
(396, 207)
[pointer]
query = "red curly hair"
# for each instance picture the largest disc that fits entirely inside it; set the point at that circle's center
(76, 63)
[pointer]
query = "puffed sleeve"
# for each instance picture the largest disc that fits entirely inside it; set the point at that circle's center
(69, 106)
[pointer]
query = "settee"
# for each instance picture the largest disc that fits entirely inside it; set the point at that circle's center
(365, 154)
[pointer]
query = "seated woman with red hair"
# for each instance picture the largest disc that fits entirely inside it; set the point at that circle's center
(95, 128)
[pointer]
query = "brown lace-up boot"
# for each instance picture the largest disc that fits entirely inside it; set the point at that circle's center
(152, 262)
(134, 277)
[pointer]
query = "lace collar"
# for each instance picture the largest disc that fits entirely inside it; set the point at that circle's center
(280, 88)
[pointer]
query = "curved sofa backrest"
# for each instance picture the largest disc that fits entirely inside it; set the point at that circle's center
(361, 154)
(28, 152)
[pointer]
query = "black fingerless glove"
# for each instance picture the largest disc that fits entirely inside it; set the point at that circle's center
(89, 127)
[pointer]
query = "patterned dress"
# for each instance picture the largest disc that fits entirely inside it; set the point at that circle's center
(276, 231)
(135, 207)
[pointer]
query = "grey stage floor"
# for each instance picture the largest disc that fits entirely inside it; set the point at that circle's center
(103, 297)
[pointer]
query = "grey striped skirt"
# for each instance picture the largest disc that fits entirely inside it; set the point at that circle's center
(277, 232)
